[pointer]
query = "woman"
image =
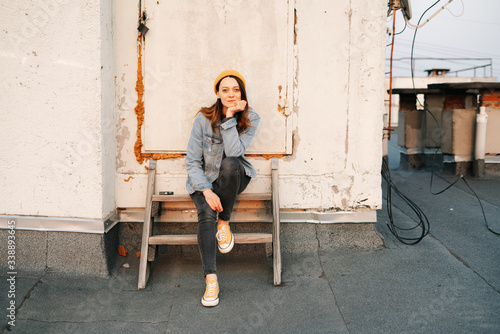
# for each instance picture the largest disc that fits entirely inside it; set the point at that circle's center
(218, 171)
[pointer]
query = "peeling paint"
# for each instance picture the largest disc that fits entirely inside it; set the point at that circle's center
(266, 156)
(121, 138)
(332, 180)
(139, 109)
(295, 26)
(161, 156)
(281, 102)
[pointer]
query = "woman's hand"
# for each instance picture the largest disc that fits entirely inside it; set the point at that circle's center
(213, 200)
(238, 106)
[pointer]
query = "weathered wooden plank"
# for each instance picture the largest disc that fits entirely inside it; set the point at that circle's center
(190, 215)
(192, 239)
(146, 229)
(151, 253)
(253, 238)
(189, 205)
(174, 239)
(276, 222)
(186, 198)
(236, 217)
(180, 208)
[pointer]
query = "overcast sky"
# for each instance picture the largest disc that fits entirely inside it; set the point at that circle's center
(475, 34)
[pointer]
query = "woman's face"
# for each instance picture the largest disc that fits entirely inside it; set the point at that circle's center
(229, 92)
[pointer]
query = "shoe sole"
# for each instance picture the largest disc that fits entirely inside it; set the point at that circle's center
(209, 302)
(228, 249)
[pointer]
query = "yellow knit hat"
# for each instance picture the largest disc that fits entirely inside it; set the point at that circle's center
(225, 74)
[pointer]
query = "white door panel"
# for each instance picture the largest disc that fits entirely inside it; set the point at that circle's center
(190, 42)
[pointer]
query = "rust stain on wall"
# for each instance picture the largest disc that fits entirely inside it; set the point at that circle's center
(281, 104)
(139, 111)
(266, 156)
(160, 156)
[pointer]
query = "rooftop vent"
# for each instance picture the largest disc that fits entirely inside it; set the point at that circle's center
(437, 72)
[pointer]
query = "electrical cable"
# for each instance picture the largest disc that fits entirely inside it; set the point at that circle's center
(463, 10)
(439, 126)
(423, 222)
(396, 230)
(431, 17)
(413, 47)
(390, 76)
(404, 28)
(401, 30)
(482, 209)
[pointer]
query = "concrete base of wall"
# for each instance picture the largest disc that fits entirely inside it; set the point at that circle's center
(68, 252)
(472, 168)
(97, 254)
(421, 161)
(492, 168)
(459, 168)
(478, 168)
(295, 237)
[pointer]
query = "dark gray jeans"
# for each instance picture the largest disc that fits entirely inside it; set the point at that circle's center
(232, 181)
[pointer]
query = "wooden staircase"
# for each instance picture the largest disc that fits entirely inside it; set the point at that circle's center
(171, 204)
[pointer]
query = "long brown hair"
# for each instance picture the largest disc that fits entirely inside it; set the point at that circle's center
(214, 112)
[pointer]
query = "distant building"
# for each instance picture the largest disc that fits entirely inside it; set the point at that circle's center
(435, 76)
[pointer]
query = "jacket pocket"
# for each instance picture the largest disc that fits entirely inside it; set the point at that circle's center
(211, 145)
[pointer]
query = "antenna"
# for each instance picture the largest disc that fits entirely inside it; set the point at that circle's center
(406, 8)
(404, 5)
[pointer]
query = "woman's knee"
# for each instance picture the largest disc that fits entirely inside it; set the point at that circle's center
(230, 165)
(207, 215)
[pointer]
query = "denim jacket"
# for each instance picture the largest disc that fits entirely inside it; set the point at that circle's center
(207, 146)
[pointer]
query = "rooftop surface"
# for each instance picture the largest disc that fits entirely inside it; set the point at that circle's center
(448, 283)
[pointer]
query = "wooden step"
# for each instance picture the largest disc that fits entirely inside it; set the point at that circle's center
(189, 216)
(189, 205)
(185, 198)
(253, 207)
(192, 239)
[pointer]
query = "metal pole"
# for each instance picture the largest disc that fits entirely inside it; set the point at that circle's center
(390, 76)
(480, 144)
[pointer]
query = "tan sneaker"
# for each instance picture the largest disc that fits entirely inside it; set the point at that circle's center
(211, 296)
(225, 238)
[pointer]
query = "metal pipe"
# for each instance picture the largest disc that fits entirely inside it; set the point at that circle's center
(479, 149)
(430, 18)
(390, 77)
(481, 122)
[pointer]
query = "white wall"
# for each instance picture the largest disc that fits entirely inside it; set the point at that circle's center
(337, 111)
(68, 123)
(57, 119)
